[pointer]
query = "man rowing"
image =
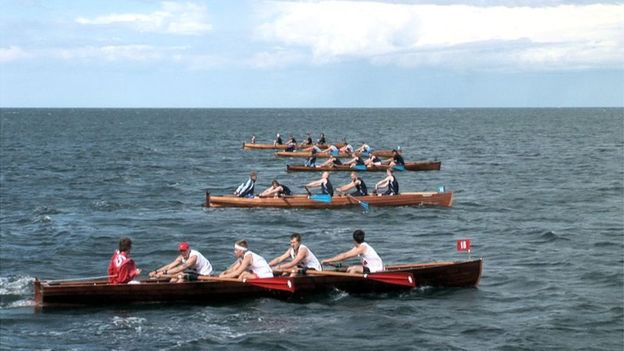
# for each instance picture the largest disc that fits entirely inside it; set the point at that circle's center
(390, 182)
(246, 189)
(278, 140)
(301, 258)
(308, 140)
(364, 149)
(291, 144)
(323, 183)
(395, 160)
(122, 269)
(356, 162)
(371, 262)
(311, 161)
(331, 150)
(322, 140)
(331, 162)
(356, 183)
(189, 265)
(348, 148)
(276, 190)
(248, 265)
(372, 160)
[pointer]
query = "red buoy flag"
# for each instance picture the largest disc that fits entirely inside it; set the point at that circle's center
(463, 245)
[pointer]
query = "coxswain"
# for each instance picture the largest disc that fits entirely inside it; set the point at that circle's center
(311, 161)
(276, 190)
(301, 258)
(246, 189)
(356, 183)
(389, 181)
(248, 265)
(323, 183)
(371, 262)
(122, 268)
(188, 266)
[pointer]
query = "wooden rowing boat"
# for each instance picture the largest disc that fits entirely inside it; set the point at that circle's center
(303, 154)
(444, 199)
(409, 166)
(99, 292)
(255, 146)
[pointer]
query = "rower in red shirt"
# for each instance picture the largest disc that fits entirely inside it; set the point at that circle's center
(122, 268)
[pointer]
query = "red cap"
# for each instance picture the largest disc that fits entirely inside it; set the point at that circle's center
(183, 246)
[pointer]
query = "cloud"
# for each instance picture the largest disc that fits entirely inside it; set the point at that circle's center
(13, 53)
(172, 18)
(564, 36)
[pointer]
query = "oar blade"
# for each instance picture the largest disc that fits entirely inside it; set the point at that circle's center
(277, 283)
(364, 205)
(395, 278)
(321, 198)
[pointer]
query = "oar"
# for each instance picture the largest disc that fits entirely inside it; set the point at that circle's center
(80, 279)
(393, 278)
(276, 283)
(364, 204)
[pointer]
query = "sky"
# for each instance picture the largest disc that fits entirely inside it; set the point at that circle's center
(290, 54)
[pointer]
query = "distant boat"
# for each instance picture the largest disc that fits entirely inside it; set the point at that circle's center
(380, 153)
(444, 199)
(409, 166)
(254, 146)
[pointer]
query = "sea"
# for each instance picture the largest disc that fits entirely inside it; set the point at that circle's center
(539, 192)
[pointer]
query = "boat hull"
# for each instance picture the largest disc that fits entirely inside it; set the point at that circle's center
(409, 166)
(339, 201)
(463, 274)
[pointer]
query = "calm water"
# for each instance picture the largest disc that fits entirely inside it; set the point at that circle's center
(539, 191)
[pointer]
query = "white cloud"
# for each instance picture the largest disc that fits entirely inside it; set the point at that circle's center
(111, 53)
(565, 36)
(172, 18)
(13, 53)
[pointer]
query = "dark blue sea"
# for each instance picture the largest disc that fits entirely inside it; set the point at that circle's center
(538, 191)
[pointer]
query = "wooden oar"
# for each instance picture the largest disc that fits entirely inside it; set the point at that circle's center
(276, 283)
(363, 204)
(394, 278)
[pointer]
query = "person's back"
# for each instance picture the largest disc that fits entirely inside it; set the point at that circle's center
(122, 268)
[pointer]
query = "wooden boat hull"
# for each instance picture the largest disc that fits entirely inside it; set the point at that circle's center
(339, 201)
(409, 166)
(250, 146)
(305, 154)
(462, 274)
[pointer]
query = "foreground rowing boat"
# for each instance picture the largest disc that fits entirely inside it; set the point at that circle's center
(444, 199)
(99, 292)
(379, 153)
(253, 146)
(409, 166)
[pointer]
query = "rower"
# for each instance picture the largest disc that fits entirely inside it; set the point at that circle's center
(308, 140)
(371, 262)
(364, 149)
(291, 144)
(301, 258)
(331, 162)
(276, 190)
(357, 183)
(372, 160)
(356, 162)
(323, 183)
(189, 265)
(253, 139)
(322, 140)
(278, 140)
(122, 269)
(390, 181)
(331, 150)
(348, 148)
(311, 161)
(248, 265)
(396, 160)
(246, 189)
